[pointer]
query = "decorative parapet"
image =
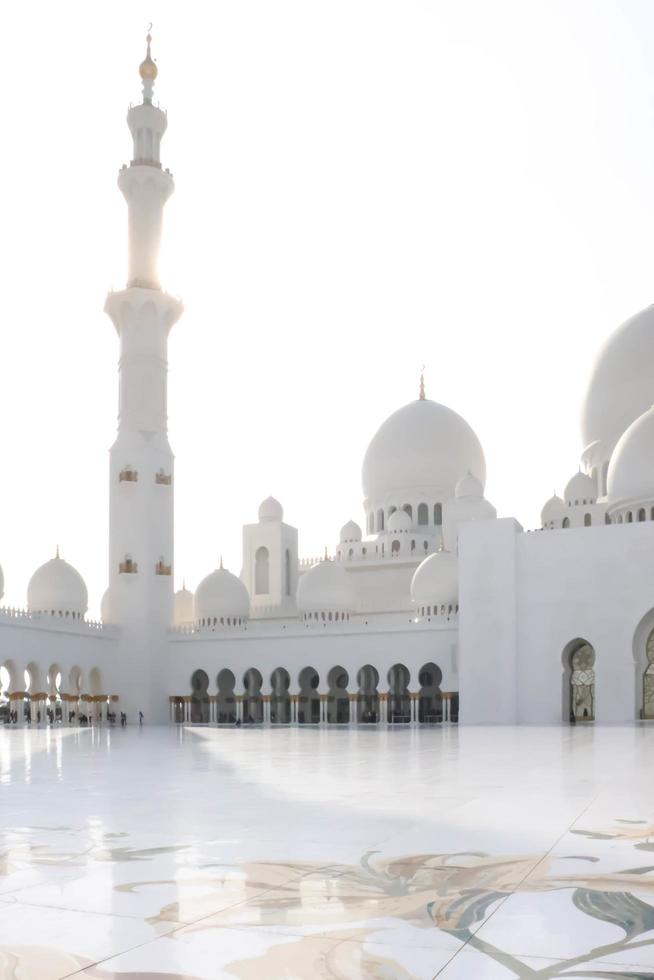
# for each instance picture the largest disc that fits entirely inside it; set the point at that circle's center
(308, 562)
(24, 615)
(128, 475)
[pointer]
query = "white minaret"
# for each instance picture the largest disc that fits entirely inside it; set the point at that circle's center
(140, 596)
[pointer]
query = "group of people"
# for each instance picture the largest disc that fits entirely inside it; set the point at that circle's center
(12, 717)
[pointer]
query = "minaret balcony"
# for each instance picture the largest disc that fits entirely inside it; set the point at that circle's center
(128, 475)
(128, 567)
(161, 569)
(163, 479)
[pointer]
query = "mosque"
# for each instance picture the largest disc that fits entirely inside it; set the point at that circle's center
(434, 611)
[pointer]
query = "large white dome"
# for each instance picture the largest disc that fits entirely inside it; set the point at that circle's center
(436, 580)
(221, 595)
(631, 472)
(622, 382)
(423, 444)
(57, 587)
(326, 587)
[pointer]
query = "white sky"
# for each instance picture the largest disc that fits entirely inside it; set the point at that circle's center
(362, 186)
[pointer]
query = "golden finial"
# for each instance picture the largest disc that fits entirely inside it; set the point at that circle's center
(422, 384)
(57, 552)
(147, 68)
(221, 563)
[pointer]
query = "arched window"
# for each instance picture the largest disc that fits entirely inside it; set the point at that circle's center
(261, 572)
(438, 514)
(287, 571)
(566, 522)
(371, 523)
(607, 519)
(391, 510)
(630, 517)
(423, 514)
(395, 547)
(380, 520)
(641, 514)
(408, 509)
(587, 520)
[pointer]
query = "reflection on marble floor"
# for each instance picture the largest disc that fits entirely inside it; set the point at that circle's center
(209, 854)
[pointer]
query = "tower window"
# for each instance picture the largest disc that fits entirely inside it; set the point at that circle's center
(163, 479)
(128, 566)
(261, 571)
(438, 514)
(128, 475)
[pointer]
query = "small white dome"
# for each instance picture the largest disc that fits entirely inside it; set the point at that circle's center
(554, 510)
(271, 510)
(350, 532)
(183, 607)
(57, 587)
(468, 487)
(399, 522)
(580, 489)
(221, 595)
(436, 580)
(631, 470)
(326, 587)
(422, 445)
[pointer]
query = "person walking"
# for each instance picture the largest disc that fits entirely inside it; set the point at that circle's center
(140, 719)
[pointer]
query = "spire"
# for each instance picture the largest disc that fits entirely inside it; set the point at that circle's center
(57, 552)
(221, 563)
(422, 384)
(148, 70)
(326, 558)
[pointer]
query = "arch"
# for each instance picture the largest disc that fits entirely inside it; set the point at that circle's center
(338, 699)
(423, 514)
(225, 698)
(75, 681)
(33, 680)
(579, 681)
(647, 711)
(395, 547)
(280, 699)
(587, 520)
(95, 681)
(367, 695)
(642, 516)
(607, 519)
(252, 699)
(261, 571)
(566, 522)
(430, 698)
(408, 509)
(399, 698)
(308, 705)
(380, 519)
(438, 514)
(200, 708)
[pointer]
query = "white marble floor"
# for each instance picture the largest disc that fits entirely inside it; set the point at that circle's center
(204, 854)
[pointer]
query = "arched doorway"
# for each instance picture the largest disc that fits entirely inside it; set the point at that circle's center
(367, 695)
(308, 705)
(399, 699)
(579, 680)
(225, 699)
(430, 699)
(648, 679)
(200, 710)
(252, 699)
(338, 700)
(280, 700)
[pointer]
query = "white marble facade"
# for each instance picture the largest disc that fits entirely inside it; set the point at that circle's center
(431, 604)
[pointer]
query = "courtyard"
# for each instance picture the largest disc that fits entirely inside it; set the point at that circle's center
(202, 853)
